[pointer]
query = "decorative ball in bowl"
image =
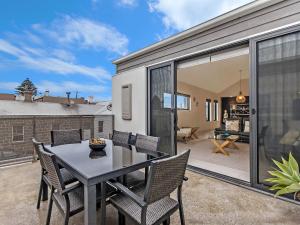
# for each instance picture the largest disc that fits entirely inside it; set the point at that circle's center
(97, 144)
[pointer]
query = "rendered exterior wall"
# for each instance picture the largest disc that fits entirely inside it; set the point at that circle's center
(137, 78)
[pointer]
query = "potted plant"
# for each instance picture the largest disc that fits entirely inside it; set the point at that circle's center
(285, 178)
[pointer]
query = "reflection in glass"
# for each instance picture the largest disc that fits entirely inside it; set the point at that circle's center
(160, 107)
(278, 100)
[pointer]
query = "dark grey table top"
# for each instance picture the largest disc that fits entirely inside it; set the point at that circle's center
(113, 161)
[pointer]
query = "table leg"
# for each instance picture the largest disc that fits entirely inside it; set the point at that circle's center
(44, 190)
(90, 208)
(220, 148)
(233, 145)
(103, 203)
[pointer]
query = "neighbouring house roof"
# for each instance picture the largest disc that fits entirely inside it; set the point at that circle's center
(54, 99)
(20, 108)
(229, 16)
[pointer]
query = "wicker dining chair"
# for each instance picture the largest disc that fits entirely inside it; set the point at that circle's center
(152, 204)
(69, 199)
(147, 142)
(66, 175)
(121, 137)
(142, 142)
(63, 137)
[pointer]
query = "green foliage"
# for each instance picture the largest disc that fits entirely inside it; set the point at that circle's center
(26, 86)
(285, 178)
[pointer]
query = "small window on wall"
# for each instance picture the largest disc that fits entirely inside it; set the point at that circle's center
(18, 133)
(208, 109)
(216, 110)
(183, 102)
(100, 126)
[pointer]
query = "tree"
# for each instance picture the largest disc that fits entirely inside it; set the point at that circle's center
(26, 86)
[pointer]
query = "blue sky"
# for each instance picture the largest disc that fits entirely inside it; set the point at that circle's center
(68, 45)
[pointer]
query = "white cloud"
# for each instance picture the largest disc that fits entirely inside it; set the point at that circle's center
(86, 33)
(8, 86)
(127, 2)
(187, 13)
(39, 60)
(60, 88)
(64, 55)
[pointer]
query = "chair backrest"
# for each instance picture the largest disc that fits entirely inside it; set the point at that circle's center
(147, 142)
(121, 137)
(53, 171)
(62, 137)
(39, 146)
(165, 176)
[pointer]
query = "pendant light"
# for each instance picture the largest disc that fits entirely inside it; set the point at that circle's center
(240, 98)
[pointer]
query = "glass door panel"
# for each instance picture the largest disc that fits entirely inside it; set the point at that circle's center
(161, 106)
(278, 100)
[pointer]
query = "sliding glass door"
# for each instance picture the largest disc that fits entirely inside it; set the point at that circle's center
(277, 100)
(162, 105)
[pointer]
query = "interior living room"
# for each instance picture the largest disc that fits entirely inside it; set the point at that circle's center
(213, 112)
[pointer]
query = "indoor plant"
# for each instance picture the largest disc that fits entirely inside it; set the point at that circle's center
(286, 177)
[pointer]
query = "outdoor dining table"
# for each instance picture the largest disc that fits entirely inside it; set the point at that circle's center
(92, 168)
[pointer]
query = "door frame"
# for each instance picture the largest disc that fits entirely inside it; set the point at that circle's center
(172, 65)
(254, 160)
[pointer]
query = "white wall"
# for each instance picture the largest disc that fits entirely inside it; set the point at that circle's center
(138, 79)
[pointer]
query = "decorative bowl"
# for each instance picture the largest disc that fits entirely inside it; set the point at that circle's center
(97, 147)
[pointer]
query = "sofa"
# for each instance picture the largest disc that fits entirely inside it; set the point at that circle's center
(240, 127)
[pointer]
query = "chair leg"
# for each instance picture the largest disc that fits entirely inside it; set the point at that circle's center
(167, 221)
(40, 195)
(67, 215)
(121, 218)
(181, 213)
(49, 209)
(67, 219)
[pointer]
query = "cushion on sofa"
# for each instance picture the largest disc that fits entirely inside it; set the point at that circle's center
(233, 125)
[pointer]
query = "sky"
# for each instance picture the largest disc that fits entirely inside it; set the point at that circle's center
(69, 45)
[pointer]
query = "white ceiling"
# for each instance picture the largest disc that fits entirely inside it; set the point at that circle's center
(216, 76)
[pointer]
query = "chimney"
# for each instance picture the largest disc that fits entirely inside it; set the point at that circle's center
(28, 96)
(90, 99)
(68, 96)
(46, 93)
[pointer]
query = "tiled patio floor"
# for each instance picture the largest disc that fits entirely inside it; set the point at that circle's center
(206, 201)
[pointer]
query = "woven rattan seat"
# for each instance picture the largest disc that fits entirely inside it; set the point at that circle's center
(121, 137)
(155, 210)
(152, 205)
(142, 142)
(63, 137)
(67, 177)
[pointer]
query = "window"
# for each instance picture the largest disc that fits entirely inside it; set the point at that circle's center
(183, 102)
(18, 133)
(208, 109)
(100, 126)
(216, 110)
